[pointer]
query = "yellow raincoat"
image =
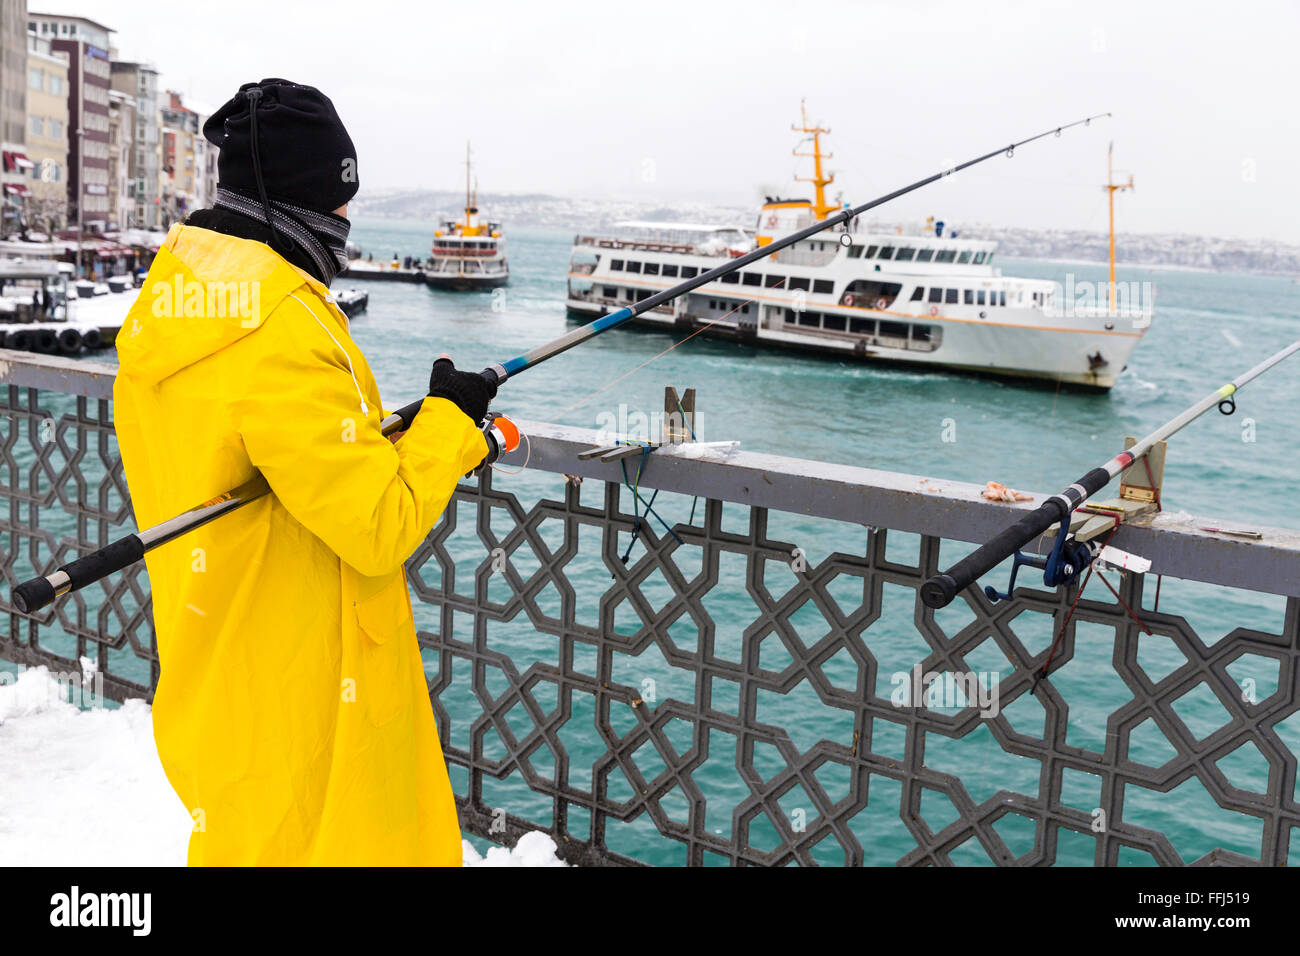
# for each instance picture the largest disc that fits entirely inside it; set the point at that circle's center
(292, 715)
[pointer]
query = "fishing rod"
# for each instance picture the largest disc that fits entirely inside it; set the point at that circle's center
(497, 374)
(1066, 561)
(37, 593)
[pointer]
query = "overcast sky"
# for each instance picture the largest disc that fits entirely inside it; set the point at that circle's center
(694, 100)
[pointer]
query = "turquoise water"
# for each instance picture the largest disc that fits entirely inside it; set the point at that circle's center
(1025, 436)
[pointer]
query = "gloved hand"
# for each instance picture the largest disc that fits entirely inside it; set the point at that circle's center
(470, 391)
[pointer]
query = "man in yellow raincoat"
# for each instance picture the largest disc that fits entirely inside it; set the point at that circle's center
(292, 715)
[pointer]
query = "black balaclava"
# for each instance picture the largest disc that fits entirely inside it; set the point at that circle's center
(286, 163)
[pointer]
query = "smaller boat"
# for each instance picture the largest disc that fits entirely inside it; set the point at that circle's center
(468, 253)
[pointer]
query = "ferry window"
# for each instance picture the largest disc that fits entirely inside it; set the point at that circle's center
(964, 257)
(920, 333)
(886, 252)
(855, 252)
(610, 292)
(951, 297)
(633, 266)
(862, 326)
(979, 257)
(918, 293)
(871, 252)
(988, 259)
(823, 286)
(979, 297)
(834, 323)
(744, 309)
(895, 329)
(689, 272)
(652, 268)
(797, 283)
(732, 277)
(970, 297)
(936, 295)
(751, 278)
(945, 255)
(774, 282)
(924, 255)
(670, 270)
(810, 318)
(1002, 297)
(905, 254)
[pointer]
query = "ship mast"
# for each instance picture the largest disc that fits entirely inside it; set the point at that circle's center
(1111, 188)
(467, 198)
(820, 207)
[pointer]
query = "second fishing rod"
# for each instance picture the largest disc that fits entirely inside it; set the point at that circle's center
(37, 593)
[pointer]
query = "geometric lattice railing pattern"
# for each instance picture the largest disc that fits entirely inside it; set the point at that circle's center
(761, 685)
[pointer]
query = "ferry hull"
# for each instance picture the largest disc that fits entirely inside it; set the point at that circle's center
(459, 283)
(1032, 355)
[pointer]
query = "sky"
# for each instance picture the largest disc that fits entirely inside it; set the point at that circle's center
(671, 101)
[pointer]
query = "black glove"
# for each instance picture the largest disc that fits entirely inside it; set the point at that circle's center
(469, 390)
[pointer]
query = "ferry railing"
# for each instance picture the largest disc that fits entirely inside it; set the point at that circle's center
(728, 692)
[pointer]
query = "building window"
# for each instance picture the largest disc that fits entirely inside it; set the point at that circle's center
(56, 84)
(36, 79)
(56, 129)
(37, 126)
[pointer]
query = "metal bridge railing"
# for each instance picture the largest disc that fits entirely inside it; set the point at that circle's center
(761, 684)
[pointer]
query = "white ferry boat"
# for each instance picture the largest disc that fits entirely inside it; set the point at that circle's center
(468, 253)
(877, 296)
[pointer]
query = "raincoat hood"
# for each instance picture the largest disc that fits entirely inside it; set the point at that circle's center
(192, 305)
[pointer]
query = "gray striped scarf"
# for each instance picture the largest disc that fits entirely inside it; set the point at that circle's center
(322, 237)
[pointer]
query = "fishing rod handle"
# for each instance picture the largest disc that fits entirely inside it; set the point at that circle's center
(31, 596)
(404, 417)
(940, 590)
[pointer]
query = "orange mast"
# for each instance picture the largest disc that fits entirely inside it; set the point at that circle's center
(820, 207)
(1111, 188)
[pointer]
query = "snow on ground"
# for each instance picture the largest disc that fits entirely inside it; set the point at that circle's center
(85, 788)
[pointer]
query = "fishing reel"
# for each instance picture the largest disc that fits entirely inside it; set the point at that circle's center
(1061, 566)
(502, 438)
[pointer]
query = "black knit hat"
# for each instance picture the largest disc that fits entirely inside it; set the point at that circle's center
(305, 153)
